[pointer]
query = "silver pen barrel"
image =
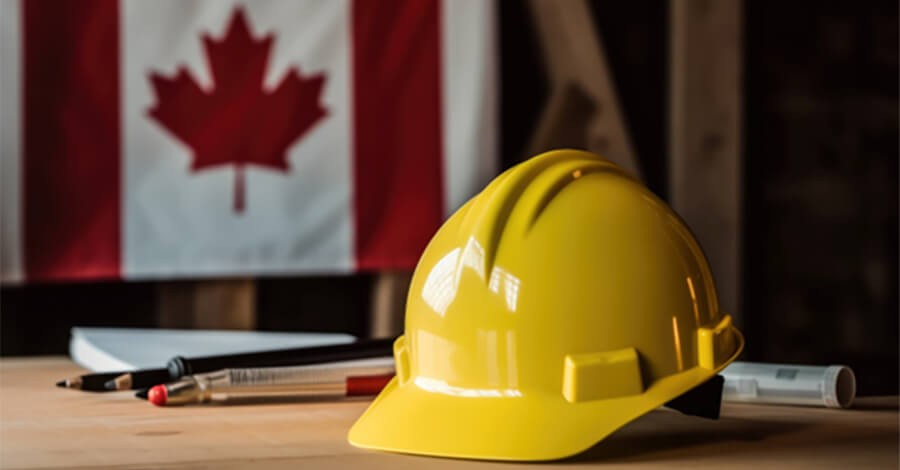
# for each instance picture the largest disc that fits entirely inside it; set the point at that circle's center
(328, 373)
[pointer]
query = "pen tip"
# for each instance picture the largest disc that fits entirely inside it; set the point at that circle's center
(142, 394)
(61, 383)
(158, 395)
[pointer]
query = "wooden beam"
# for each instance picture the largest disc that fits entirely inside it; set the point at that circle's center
(576, 64)
(222, 304)
(705, 134)
(174, 304)
(389, 290)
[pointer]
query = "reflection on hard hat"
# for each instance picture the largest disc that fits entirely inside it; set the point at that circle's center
(694, 299)
(439, 386)
(440, 285)
(473, 257)
(510, 283)
(512, 368)
(434, 351)
(677, 335)
(499, 359)
(442, 282)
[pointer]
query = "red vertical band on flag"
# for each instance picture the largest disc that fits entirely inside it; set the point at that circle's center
(397, 130)
(71, 139)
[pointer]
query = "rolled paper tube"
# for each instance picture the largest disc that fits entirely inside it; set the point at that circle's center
(785, 384)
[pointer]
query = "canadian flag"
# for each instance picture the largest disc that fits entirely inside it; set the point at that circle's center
(159, 139)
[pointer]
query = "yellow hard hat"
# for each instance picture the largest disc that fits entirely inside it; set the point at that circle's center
(562, 302)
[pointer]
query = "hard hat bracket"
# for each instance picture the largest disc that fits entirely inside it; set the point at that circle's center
(704, 400)
(596, 376)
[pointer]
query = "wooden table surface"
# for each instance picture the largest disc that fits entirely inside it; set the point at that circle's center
(42, 426)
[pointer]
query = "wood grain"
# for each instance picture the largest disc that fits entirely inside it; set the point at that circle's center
(42, 426)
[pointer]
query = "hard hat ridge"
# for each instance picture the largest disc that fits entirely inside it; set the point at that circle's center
(532, 184)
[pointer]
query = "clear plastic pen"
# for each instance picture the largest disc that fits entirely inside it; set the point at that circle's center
(361, 377)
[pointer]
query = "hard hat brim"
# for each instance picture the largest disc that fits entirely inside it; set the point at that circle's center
(503, 426)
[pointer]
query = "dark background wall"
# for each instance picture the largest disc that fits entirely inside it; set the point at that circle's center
(821, 169)
(820, 180)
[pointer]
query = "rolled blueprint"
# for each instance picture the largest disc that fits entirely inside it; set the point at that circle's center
(785, 384)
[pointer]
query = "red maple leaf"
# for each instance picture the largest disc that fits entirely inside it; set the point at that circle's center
(238, 122)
